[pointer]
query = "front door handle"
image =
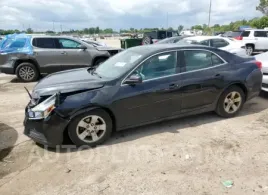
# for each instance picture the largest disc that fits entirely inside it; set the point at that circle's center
(63, 53)
(218, 76)
(173, 86)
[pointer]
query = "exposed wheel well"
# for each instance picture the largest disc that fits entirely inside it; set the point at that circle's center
(65, 133)
(98, 58)
(251, 44)
(18, 62)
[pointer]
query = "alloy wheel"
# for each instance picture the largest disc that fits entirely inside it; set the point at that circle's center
(249, 50)
(91, 128)
(232, 102)
(27, 73)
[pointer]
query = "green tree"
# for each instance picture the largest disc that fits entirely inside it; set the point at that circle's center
(263, 7)
(97, 30)
(180, 28)
(29, 31)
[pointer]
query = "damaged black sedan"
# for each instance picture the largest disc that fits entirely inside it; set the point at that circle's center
(138, 86)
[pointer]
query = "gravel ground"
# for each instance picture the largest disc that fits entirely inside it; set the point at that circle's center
(192, 155)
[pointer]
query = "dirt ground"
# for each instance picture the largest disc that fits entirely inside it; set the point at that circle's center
(192, 155)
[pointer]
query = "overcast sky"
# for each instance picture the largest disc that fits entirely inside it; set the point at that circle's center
(40, 14)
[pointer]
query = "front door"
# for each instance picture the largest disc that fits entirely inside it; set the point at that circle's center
(198, 86)
(155, 98)
(261, 40)
(72, 54)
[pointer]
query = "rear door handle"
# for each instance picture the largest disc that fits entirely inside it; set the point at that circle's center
(218, 76)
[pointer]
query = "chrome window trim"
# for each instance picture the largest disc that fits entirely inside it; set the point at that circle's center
(177, 50)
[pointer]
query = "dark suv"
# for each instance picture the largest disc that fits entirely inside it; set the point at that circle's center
(52, 54)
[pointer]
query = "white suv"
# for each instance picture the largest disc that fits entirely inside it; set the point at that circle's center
(255, 40)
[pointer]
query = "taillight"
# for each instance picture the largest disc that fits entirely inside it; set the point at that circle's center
(259, 64)
(239, 38)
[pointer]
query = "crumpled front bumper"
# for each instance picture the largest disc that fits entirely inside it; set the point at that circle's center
(47, 131)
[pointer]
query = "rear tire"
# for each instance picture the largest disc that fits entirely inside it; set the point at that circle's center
(27, 72)
(249, 49)
(230, 102)
(91, 128)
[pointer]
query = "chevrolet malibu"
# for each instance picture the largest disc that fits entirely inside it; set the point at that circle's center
(141, 85)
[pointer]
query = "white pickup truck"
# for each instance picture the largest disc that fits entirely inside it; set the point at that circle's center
(255, 40)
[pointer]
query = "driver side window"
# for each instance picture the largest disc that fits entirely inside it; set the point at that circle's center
(158, 66)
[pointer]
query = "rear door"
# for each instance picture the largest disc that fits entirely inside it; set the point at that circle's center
(261, 40)
(73, 55)
(47, 54)
(198, 79)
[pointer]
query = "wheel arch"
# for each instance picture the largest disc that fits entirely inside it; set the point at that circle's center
(83, 110)
(32, 61)
(99, 57)
(238, 84)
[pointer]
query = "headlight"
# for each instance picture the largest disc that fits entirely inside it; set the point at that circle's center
(43, 109)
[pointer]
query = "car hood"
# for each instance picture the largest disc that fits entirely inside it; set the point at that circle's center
(66, 82)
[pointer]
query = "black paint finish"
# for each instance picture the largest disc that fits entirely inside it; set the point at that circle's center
(182, 94)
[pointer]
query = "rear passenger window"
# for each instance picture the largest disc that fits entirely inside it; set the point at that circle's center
(260, 34)
(48, 43)
(245, 34)
(199, 59)
(218, 43)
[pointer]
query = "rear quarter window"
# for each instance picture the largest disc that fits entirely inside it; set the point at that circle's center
(245, 34)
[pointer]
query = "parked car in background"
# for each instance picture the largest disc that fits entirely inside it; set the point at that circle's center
(172, 39)
(157, 35)
(263, 58)
(255, 40)
(138, 86)
(50, 54)
(227, 44)
(233, 34)
(94, 43)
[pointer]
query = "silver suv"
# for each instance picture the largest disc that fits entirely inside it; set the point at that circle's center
(52, 54)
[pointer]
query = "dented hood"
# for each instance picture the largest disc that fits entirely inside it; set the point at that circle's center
(66, 82)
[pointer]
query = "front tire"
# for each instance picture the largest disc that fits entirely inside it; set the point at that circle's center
(91, 128)
(230, 102)
(27, 72)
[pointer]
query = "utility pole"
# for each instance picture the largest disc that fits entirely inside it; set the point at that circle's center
(209, 15)
(53, 27)
(167, 25)
(60, 28)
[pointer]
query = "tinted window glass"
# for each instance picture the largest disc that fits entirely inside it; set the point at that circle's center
(260, 34)
(44, 43)
(158, 66)
(196, 60)
(245, 34)
(69, 44)
(218, 43)
(206, 42)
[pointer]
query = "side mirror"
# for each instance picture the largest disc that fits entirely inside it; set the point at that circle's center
(83, 47)
(133, 79)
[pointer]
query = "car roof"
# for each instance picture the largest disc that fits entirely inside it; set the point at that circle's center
(155, 48)
(52, 36)
(255, 30)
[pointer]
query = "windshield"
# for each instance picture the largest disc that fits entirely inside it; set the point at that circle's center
(118, 65)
